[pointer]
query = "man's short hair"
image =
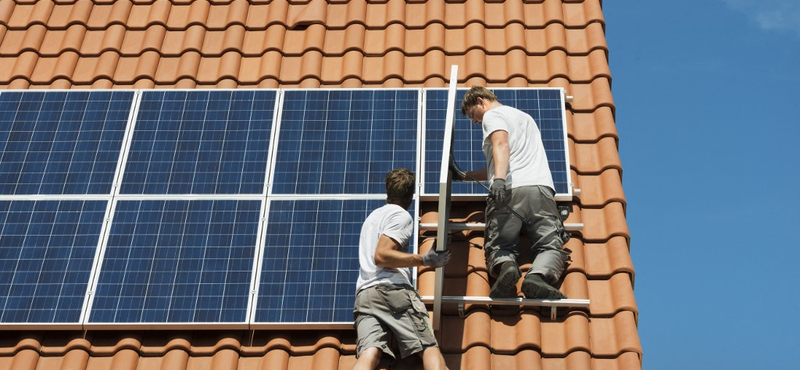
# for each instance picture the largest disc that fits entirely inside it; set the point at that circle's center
(400, 185)
(472, 95)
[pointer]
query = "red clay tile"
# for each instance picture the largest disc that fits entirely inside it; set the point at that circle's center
(114, 12)
(594, 158)
(611, 296)
(6, 12)
(602, 224)
(598, 190)
(63, 16)
(615, 335)
(600, 260)
(591, 126)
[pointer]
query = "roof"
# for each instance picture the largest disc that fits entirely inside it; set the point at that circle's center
(336, 43)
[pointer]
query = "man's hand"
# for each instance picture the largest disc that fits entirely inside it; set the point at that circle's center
(498, 189)
(458, 174)
(436, 259)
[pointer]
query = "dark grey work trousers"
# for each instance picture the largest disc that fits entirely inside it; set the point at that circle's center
(537, 205)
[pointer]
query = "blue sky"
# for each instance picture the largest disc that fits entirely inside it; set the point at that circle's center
(706, 95)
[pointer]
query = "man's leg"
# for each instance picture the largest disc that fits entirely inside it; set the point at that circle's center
(369, 359)
(502, 236)
(432, 359)
(546, 232)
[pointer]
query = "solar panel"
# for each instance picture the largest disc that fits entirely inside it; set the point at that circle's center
(545, 105)
(200, 142)
(310, 262)
(178, 261)
(46, 256)
(60, 142)
(344, 141)
(466, 150)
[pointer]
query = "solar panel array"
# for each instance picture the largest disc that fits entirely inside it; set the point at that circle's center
(233, 208)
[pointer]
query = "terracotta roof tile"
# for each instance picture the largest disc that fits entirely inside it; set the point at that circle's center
(144, 15)
(591, 126)
(520, 340)
(601, 260)
(114, 12)
(598, 190)
(601, 224)
(482, 358)
(594, 158)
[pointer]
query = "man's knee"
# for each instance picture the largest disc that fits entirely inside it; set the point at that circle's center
(432, 358)
(368, 359)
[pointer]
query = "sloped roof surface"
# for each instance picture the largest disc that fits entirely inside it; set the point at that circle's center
(358, 43)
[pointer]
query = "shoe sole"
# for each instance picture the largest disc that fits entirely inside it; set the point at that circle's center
(533, 289)
(506, 284)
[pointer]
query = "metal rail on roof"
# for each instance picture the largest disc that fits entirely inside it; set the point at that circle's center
(552, 303)
(461, 226)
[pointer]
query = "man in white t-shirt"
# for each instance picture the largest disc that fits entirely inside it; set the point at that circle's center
(385, 300)
(521, 196)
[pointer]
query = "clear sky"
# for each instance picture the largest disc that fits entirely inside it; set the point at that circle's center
(707, 96)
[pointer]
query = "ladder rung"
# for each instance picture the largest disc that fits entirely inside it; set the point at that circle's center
(460, 226)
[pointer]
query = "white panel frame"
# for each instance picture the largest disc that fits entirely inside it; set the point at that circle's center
(445, 187)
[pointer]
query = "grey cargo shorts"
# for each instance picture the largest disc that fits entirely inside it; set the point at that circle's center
(387, 308)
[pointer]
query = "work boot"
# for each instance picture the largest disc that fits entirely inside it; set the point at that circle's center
(505, 286)
(534, 287)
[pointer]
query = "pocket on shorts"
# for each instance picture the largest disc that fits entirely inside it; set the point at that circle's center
(421, 319)
(396, 298)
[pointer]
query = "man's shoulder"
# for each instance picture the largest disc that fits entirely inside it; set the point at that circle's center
(391, 210)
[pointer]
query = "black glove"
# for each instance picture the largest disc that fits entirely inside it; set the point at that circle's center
(498, 189)
(436, 259)
(458, 174)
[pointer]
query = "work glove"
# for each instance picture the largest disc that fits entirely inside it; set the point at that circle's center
(458, 174)
(436, 259)
(498, 189)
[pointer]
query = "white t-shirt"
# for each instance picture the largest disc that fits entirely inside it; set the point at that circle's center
(390, 220)
(528, 160)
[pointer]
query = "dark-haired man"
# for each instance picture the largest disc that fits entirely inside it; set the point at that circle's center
(385, 300)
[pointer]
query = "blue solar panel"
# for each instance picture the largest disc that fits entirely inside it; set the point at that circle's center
(344, 141)
(178, 261)
(200, 142)
(544, 105)
(47, 249)
(61, 142)
(467, 141)
(310, 263)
